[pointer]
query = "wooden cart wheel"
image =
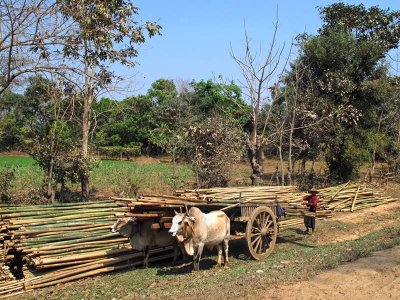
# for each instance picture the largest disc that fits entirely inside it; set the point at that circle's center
(261, 232)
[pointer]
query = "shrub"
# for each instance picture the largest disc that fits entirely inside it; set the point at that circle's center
(213, 146)
(7, 178)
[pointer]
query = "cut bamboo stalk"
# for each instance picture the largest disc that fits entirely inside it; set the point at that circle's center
(100, 271)
(354, 200)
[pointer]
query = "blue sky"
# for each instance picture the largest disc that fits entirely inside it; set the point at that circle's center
(197, 35)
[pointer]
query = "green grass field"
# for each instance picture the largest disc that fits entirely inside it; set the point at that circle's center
(28, 175)
(108, 178)
(120, 176)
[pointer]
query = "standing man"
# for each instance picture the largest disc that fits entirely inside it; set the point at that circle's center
(311, 201)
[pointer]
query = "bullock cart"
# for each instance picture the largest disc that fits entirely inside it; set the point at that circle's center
(252, 211)
(260, 226)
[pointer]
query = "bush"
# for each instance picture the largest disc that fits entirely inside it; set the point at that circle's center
(214, 146)
(119, 152)
(7, 178)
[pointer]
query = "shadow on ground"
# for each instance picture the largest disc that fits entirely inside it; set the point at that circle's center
(237, 250)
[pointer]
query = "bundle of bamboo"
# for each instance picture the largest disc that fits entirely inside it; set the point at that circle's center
(87, 268)
(158, 207)
(63, 242)
(350, 197)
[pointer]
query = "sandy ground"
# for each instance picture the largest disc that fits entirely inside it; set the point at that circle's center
(371, 219)
(374, 277)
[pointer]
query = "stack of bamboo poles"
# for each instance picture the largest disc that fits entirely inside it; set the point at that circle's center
(54, 230)
(95, 267)
(64, 242)
(287, 197)
(158, 207)
(227, 196)
(350, 197)
(208, 198)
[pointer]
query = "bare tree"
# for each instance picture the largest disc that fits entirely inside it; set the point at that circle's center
(258, 70)
(31, 32)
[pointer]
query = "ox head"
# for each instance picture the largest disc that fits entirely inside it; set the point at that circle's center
(181, 225)
(124, 226)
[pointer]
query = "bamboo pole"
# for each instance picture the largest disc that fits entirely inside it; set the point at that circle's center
(354, 200)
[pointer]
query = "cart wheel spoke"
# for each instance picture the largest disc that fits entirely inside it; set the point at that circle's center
(262, 217)
(266, 220)
(258, 245)
(255, 240)
(269, 224)
(259, 226)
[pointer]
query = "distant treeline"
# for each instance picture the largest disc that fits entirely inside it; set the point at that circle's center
(119, 129)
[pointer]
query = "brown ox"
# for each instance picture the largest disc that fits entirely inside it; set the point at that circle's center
(142, 237)
(197, 230)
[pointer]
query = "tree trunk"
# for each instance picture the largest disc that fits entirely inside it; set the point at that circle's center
(281, 158)
(51, 193)
(373, 157)
(88, 97)
(290, 161)
(303, 166)
(174, 168)
(84, 149)
(372, 165)
(51, 189)
(256, 156)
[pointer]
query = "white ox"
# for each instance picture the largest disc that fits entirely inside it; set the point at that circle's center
(142, 237)
(197, 230)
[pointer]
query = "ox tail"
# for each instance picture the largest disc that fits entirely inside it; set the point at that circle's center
(228, 227)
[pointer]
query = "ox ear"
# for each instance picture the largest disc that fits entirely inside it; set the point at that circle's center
(175, 212)
(132, 219)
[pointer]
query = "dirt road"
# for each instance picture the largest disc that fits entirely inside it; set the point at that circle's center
(374, 277)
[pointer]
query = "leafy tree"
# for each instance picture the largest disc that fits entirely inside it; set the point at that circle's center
(171, 110)
(51, 134)
(224, 99)
(12, 120)
(123, 123)
(380, 26)
(173, 115)
(104, 32)
(162, 91)
(346, 54)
